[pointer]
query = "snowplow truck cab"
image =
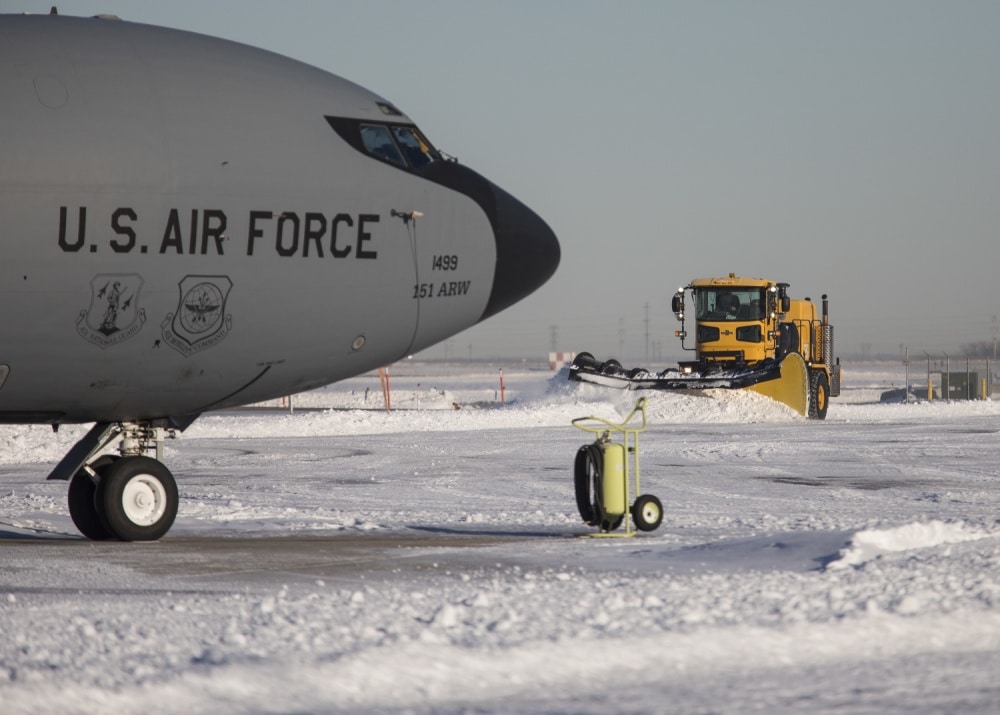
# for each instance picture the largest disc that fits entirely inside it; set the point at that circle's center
(750, 323)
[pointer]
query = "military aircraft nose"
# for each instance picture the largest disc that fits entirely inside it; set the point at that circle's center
(527, 249)
(527, 252)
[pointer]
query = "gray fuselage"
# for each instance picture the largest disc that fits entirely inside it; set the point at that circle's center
(189, 223)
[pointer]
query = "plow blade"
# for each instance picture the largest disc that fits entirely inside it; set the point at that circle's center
(787, 382)
(791, 388)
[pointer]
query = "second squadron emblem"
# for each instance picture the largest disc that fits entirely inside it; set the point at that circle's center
(200, 320)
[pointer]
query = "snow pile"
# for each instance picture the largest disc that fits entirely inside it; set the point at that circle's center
(468, 402)
(872, 543)
(717, 406)
(337, 396)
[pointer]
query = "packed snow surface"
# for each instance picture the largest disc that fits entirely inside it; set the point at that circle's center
(338, 557)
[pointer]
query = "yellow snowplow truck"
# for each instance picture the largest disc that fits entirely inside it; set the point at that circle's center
(749, 334)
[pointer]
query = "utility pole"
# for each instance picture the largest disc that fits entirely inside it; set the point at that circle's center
(930, 388)
(946, 379)
(906, 380)
(996, 334)
(621, 339)
(647, 334)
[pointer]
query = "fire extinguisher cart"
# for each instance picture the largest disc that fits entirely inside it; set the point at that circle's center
(606, 475)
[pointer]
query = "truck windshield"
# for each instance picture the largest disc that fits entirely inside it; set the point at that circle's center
(729, 303)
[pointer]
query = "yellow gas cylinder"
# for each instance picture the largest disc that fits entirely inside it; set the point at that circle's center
(613, 480)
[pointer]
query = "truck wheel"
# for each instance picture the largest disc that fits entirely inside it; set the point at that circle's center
(647, 513)
(819, 395)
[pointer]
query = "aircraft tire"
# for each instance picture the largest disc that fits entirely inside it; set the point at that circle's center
(647, 513)
(138, 496)
(83, 505)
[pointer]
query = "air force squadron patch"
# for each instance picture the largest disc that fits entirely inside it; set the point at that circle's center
(200, 321)
(114, 314)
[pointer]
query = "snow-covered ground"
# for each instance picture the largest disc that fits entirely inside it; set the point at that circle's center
(429, 560)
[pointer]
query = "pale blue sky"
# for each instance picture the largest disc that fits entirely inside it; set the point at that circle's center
(851, 148)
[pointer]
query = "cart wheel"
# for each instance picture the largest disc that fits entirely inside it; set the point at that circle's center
(647, 513)
(587, 483)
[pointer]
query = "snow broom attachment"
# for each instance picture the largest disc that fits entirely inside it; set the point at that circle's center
(786, 382)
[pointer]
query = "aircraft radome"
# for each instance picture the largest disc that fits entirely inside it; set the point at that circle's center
(190, 223)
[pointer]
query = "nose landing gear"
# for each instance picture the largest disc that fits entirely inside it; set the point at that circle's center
(128, 496)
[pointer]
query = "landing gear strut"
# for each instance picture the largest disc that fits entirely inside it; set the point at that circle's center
(128, 496)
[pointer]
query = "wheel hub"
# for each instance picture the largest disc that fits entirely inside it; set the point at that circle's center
(144, 500)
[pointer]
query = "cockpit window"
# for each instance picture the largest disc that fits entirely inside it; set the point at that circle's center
(418, 152)
(378, 141)
(401, 145)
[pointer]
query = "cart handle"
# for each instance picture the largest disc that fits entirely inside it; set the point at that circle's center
(640, 406)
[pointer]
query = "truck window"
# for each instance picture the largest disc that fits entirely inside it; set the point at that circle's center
(729, 303)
